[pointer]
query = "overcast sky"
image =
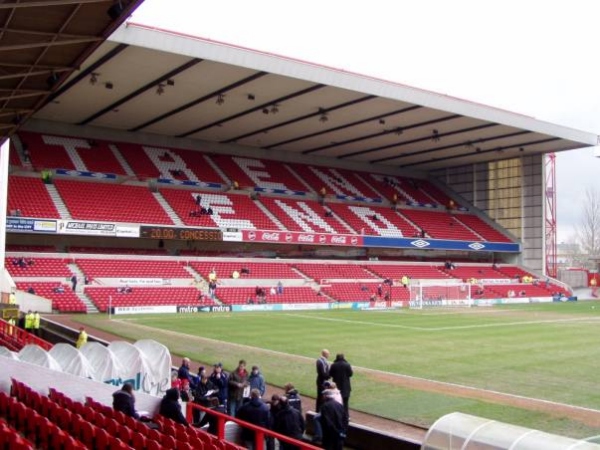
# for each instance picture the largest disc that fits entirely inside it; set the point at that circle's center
(538, 58)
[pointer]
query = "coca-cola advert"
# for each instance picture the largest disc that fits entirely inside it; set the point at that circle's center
(290, 237)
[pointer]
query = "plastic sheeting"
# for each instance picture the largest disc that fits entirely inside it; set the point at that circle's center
(157, 379)
(464, 432)
(105, 365)
(8, 353)
(34, 354)
(72, 360)
(145, 364)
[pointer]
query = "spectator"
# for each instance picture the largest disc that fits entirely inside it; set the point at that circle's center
(279, 288)
(245, 271)
(124, 401)
(322, 366)
(212, 289)
(205, 391)
(31, 290)
(175, 381)
(238, 381)
(170, 407)
(255, 412)
(334, 423)
(73, 282)
(293, 396)
(256, 380)
(289, 422)
(184, 374)
(341, 372)
(82, 338)
(198, 199)
(220, 380)
(59, 289)
(273, 291)
(209, 211)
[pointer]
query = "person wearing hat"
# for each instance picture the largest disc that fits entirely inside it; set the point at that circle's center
(256, 380)
(334, 422)
(220, 380)
(289, 422)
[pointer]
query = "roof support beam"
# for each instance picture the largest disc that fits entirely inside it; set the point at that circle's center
(491, 150)
(202, 99)
(43, 33)
(141, 90)
(10, 48)
(251, 110)
(29, 94)
(45, 3)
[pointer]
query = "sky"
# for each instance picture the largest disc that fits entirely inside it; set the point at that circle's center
(533, 57)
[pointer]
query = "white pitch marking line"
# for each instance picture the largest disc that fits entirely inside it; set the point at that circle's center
(461, 327)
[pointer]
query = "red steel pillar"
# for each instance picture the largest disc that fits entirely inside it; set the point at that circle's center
(550, 215)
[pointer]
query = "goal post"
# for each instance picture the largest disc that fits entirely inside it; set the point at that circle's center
(440, 295)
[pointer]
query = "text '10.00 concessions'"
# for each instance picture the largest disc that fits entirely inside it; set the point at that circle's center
(183, 234)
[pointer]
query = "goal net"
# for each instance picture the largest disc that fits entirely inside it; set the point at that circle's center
(423, 295)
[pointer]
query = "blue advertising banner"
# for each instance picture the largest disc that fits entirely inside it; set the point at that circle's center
(200, 184)
(83, 173)
(439, 244)
(30, 225)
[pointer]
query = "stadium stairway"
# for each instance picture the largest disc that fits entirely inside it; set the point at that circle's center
(59, 204)
(128, 170)
(270, 215)
(170, 212)
(79, 291)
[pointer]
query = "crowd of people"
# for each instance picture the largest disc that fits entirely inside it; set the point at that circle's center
(241, 394)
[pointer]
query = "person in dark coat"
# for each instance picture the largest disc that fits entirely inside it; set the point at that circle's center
(124, 401)
(322, 366)
(170, 407)
(334, 422)
(341, 372)
(255, 412)
(220, 380)
(289, 422)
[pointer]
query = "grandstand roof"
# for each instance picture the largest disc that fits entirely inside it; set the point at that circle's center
(154, 81)
(42, 43)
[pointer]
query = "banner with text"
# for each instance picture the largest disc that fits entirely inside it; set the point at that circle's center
(292, 237)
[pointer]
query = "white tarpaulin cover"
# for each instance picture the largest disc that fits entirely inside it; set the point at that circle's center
(72, 360)
(8, 353)
(105, 365)
(145, 364)
(140, 370)
(37, 355)
(158, 364)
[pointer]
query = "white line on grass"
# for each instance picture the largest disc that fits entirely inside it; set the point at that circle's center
(459, 327)
(359, 368)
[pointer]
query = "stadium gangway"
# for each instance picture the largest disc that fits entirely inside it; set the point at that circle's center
(259, 433)
(20, 338)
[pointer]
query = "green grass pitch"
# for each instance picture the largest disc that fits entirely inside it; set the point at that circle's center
(542, 351)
